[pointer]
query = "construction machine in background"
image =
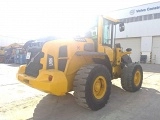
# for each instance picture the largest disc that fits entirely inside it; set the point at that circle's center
(10, 52)
(85, 65)
(2, 54)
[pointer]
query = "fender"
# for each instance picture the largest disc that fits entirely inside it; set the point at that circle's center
(106, 62)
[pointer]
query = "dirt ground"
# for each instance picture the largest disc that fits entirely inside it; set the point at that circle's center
(20, 102)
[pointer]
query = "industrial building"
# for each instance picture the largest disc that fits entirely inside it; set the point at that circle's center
(142, 31)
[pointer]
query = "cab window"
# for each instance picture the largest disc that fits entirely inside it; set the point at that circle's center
(107, 27)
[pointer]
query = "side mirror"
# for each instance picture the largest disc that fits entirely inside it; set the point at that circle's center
(94, 33)
(121, 27)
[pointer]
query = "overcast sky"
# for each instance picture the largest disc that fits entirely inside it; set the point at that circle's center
(31, 19)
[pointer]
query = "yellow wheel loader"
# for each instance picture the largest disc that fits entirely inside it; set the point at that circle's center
(85, 65)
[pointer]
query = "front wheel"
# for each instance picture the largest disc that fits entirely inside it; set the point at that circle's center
(92, 86)
(132, 77)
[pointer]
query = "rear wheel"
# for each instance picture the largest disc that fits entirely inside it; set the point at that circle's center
(132, 77)
(92, 86)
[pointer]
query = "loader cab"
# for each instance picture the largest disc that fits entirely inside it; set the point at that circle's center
(109, 31)
(103, 34)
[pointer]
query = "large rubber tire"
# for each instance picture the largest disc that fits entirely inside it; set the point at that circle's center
(85, 92)
(132, 77)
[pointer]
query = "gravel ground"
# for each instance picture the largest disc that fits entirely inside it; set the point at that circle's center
(20, 102)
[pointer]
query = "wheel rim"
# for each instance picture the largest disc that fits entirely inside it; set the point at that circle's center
(137, 78)
(99, 87)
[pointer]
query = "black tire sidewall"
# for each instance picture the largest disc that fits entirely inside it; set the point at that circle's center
(94, 103)
(137, 68)
(127, 78)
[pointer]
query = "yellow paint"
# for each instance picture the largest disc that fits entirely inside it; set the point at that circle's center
(100, 28)
(22, 69)
(99, 87)
(116, 70)
(109, 52)
(58, 85)
(137, 78)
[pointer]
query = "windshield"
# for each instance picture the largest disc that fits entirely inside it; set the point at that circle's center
(106, 33)
(107, 25)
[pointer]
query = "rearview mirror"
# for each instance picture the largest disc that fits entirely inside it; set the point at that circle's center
(121, 27)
